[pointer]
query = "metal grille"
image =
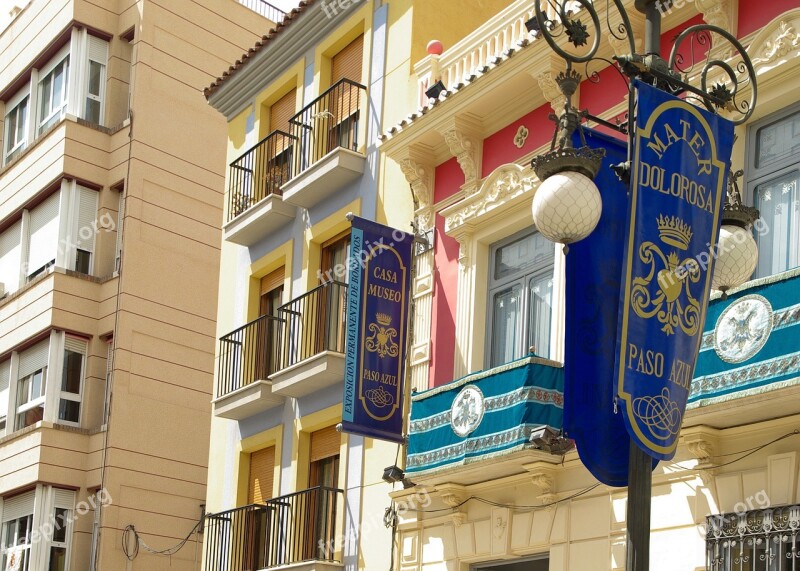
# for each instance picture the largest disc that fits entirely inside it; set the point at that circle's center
(760, 540)
(290, 529)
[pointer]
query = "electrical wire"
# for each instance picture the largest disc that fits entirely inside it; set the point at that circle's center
(139, 542)
(744, 454)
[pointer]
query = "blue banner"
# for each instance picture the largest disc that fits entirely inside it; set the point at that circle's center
(593, 274)
(377, 314)
(678, 183)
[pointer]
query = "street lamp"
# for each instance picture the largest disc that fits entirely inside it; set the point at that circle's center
(566, 206)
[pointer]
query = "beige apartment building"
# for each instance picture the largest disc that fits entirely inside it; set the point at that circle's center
(111, 180)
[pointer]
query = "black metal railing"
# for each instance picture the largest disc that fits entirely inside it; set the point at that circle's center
(260, 172)
(315, 322)
(332, 120)
(266, 9)
(767, 539)
(250, 353)
(282, 531)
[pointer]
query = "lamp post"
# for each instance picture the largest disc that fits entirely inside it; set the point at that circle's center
(567, 205)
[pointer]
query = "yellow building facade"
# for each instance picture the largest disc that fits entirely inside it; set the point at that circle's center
(110, 200)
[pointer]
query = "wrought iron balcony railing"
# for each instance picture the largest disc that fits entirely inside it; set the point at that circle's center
(260, 172)
(282, 531)
(266, 9)
(249, 354)
(331, 121)
(766, 539)
(315, 322)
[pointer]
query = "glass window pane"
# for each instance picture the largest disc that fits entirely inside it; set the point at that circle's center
(69, 411)
(522, 255)
(92, 111)
(29, 417)
(58, 559)
(46, 94)
(24, 390)
(37, 385)
(506, 326)
(778, 141)
(95, 72)
(541, 312)
(71, 379)
(779, 203)
(58, 85)
(60, 525)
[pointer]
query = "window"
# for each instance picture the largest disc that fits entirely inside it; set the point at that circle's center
(520, 298)
(10, 254)
(5, 381)
(43, 236)
(60, 504)
(773, 180)
(53, 93)
(84, 230)
(97, 52)
(31, 385)
(17, 532)
(262, 473)
(763, 540)
(324, 458)
(16, 129)
(69, 404)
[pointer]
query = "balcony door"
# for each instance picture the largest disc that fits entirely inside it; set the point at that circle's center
(323, 474)
(331, 311)
(255, 546)
(279, 152)
(344, 98)
(268, 338)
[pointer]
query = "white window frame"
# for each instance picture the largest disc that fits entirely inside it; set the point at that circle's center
(31, 404)
(524, 278)
(5, 379)
(66, 395)
(58, 499)
(757, 175)
(4, 521)
(11, 106)
(57, 110)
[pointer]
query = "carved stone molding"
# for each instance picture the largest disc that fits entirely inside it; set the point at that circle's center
(717, 13)
(504, 184)
(543, 476)
(464, 243)
(465, 142)
(454, 496)
(550, 90)
(780, 42)
(620, 44)
(702, 443)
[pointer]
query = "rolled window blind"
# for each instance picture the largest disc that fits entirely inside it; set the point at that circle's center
(87, 219)
(325, 443)
(10, 254)
(5, 380)
(43, 233)
(262, 471)
(18, 506)
(33, 359)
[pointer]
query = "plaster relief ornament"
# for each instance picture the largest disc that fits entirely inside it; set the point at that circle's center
(467, 411)
(521, 137)
(743, 329)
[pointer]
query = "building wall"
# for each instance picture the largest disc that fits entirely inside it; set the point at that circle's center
(167, 153)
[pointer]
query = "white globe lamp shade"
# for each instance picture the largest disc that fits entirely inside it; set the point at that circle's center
(737, 256)
(567, 207)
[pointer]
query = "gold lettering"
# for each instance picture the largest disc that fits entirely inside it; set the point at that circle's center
(647, 362)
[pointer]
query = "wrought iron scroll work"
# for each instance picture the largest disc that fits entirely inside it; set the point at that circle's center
(722, 82)
(720, 95)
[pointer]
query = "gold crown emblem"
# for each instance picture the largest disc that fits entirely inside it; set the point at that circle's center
(384, 318)
(675, 232)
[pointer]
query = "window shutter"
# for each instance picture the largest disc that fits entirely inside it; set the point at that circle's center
(75, 344)
(272, 280)
(63, 498)
(5, 379)
(325, 443)
(10, 254)
(43, 233)
(347, 63)
(18, 506)
(87, 219)
(281, 111)
(33, 359)
(262, 466)
(98, 50)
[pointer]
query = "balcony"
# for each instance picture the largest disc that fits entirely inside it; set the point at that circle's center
(255, 204)
(298, 530)
(312, 354)
(495, 413)
(247, 357)
(330, 133)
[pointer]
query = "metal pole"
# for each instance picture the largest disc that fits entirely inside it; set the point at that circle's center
(640, 464)
(640, 477)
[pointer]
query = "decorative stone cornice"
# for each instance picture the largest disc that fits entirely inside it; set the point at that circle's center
(702, 443)
(717, 13)
(464, 139)
(506, 183)
(419, 174)
(620, 43)
(550, 90)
